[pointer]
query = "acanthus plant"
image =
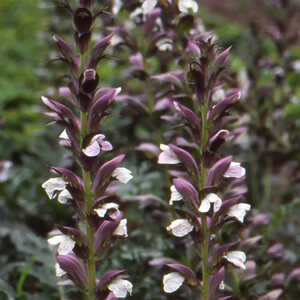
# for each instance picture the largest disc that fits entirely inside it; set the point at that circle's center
(151, 35)
(208, 194)
(100, 223)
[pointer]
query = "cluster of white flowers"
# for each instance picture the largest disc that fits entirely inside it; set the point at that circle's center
(57, 186)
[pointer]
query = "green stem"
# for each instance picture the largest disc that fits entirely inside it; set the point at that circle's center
(205, 229)
(89, 197)
(204, 254)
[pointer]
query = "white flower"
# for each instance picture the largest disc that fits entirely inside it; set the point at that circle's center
(64, 242)
(235, 170)
(97, 144)
(120, 287)
(238, 211)
(59, 271)
(54, 185)
(148, 6)
(101, 211)
(136, 13)
(165, 44)
(175, 195)
(237, 258)
(121, 230)
(64, 196)
(222, 285)
(210, 198)
(218, 95)
(172, 282)
(185, 5)
(180, 227)
(117, 4)
(296, 65)
(167, 156)
(4, 170)
(64, 136)
(122, 174)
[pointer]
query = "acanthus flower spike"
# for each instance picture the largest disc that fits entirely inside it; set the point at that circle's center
(99, 222)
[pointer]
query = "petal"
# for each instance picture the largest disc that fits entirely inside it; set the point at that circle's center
(205, 205)
(59, 271)
(55, 240)
(238, 211)
(122, 174)
(121, 230)
(172, 282)
(53, 185)
(148, 6)
(235, 170)
(106, 146)
(66, 245)
(120, 287)
(185, 5)
(180, 227)
(101, 211)
(167, 156)
(237, 258)
(64, 197)
(175, 195)
(93, 149)
(63, 135)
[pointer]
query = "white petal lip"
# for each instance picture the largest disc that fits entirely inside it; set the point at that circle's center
(239, 211)
(180, 227)
(64, 135)
(185, 5)
(165, 44)
(97, 144)
(92, 150)
(120, 287)
(237, 258)
(101, 211)
(65, 243)
(64, 196)
(53, 185)
(235, 170)
(172, 282)
(206, 203)
(121, 230)
(122, 174)
(148, 6)
(175, 195)
(167, 156)
(59, 271)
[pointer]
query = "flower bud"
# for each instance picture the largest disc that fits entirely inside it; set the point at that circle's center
(73, 267)
(82, 20)
(82, 41)
(86, 3)
(89, 81)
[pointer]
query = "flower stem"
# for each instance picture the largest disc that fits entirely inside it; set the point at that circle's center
(205, 229)
(204, 254)
(91, 263)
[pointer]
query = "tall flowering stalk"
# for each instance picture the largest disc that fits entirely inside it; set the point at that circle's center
(200, 209)
(79, 249)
